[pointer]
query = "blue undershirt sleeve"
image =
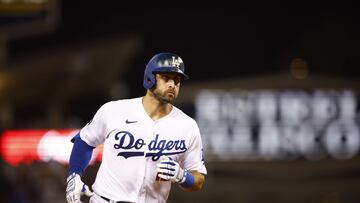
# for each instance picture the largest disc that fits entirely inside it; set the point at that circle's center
(80, 155)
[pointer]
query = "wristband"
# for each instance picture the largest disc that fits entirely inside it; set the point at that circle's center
(188, 179)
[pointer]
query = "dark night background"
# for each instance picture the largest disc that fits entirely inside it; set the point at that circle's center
(216, 41)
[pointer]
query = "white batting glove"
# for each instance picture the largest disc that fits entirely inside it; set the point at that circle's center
(168, 169)
(76, 188)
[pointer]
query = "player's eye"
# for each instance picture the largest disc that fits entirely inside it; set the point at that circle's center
(177, 80)
(165, 77)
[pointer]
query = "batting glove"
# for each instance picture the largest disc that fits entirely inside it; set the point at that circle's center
(168, 169)
(76, 188)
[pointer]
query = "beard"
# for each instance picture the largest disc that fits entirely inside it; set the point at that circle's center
(165, 97)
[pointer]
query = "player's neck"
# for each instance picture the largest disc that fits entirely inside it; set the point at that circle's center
(154, 108)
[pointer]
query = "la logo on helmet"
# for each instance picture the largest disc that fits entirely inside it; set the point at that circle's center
(176, 61)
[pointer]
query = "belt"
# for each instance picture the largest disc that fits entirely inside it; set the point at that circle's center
(112, 201)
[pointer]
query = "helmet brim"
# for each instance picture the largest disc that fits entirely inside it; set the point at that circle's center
(172, 70)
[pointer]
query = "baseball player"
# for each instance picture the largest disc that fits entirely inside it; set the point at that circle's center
(148, 143)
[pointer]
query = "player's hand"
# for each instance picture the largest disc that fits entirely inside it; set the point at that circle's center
(168, 169)
(76, 188)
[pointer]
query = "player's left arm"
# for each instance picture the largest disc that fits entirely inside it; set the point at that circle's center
(199, 180)
(191, 175)
(169, 169)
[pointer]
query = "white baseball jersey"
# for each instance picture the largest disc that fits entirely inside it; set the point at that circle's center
(133, 144)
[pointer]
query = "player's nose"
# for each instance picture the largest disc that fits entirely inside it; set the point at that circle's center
(171, 83)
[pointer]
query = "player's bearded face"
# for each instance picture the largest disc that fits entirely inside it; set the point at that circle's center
(167, 87)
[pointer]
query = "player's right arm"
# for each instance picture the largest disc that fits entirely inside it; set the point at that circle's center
(79, 159)
(92, 134)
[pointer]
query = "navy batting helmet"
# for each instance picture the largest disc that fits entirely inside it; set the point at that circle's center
(163, 63)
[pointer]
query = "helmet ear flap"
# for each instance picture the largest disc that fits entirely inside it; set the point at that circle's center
(149, 80)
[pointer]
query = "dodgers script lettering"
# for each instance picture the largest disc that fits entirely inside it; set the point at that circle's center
(157, 147)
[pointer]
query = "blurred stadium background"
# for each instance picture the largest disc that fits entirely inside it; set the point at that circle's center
(275, 89)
